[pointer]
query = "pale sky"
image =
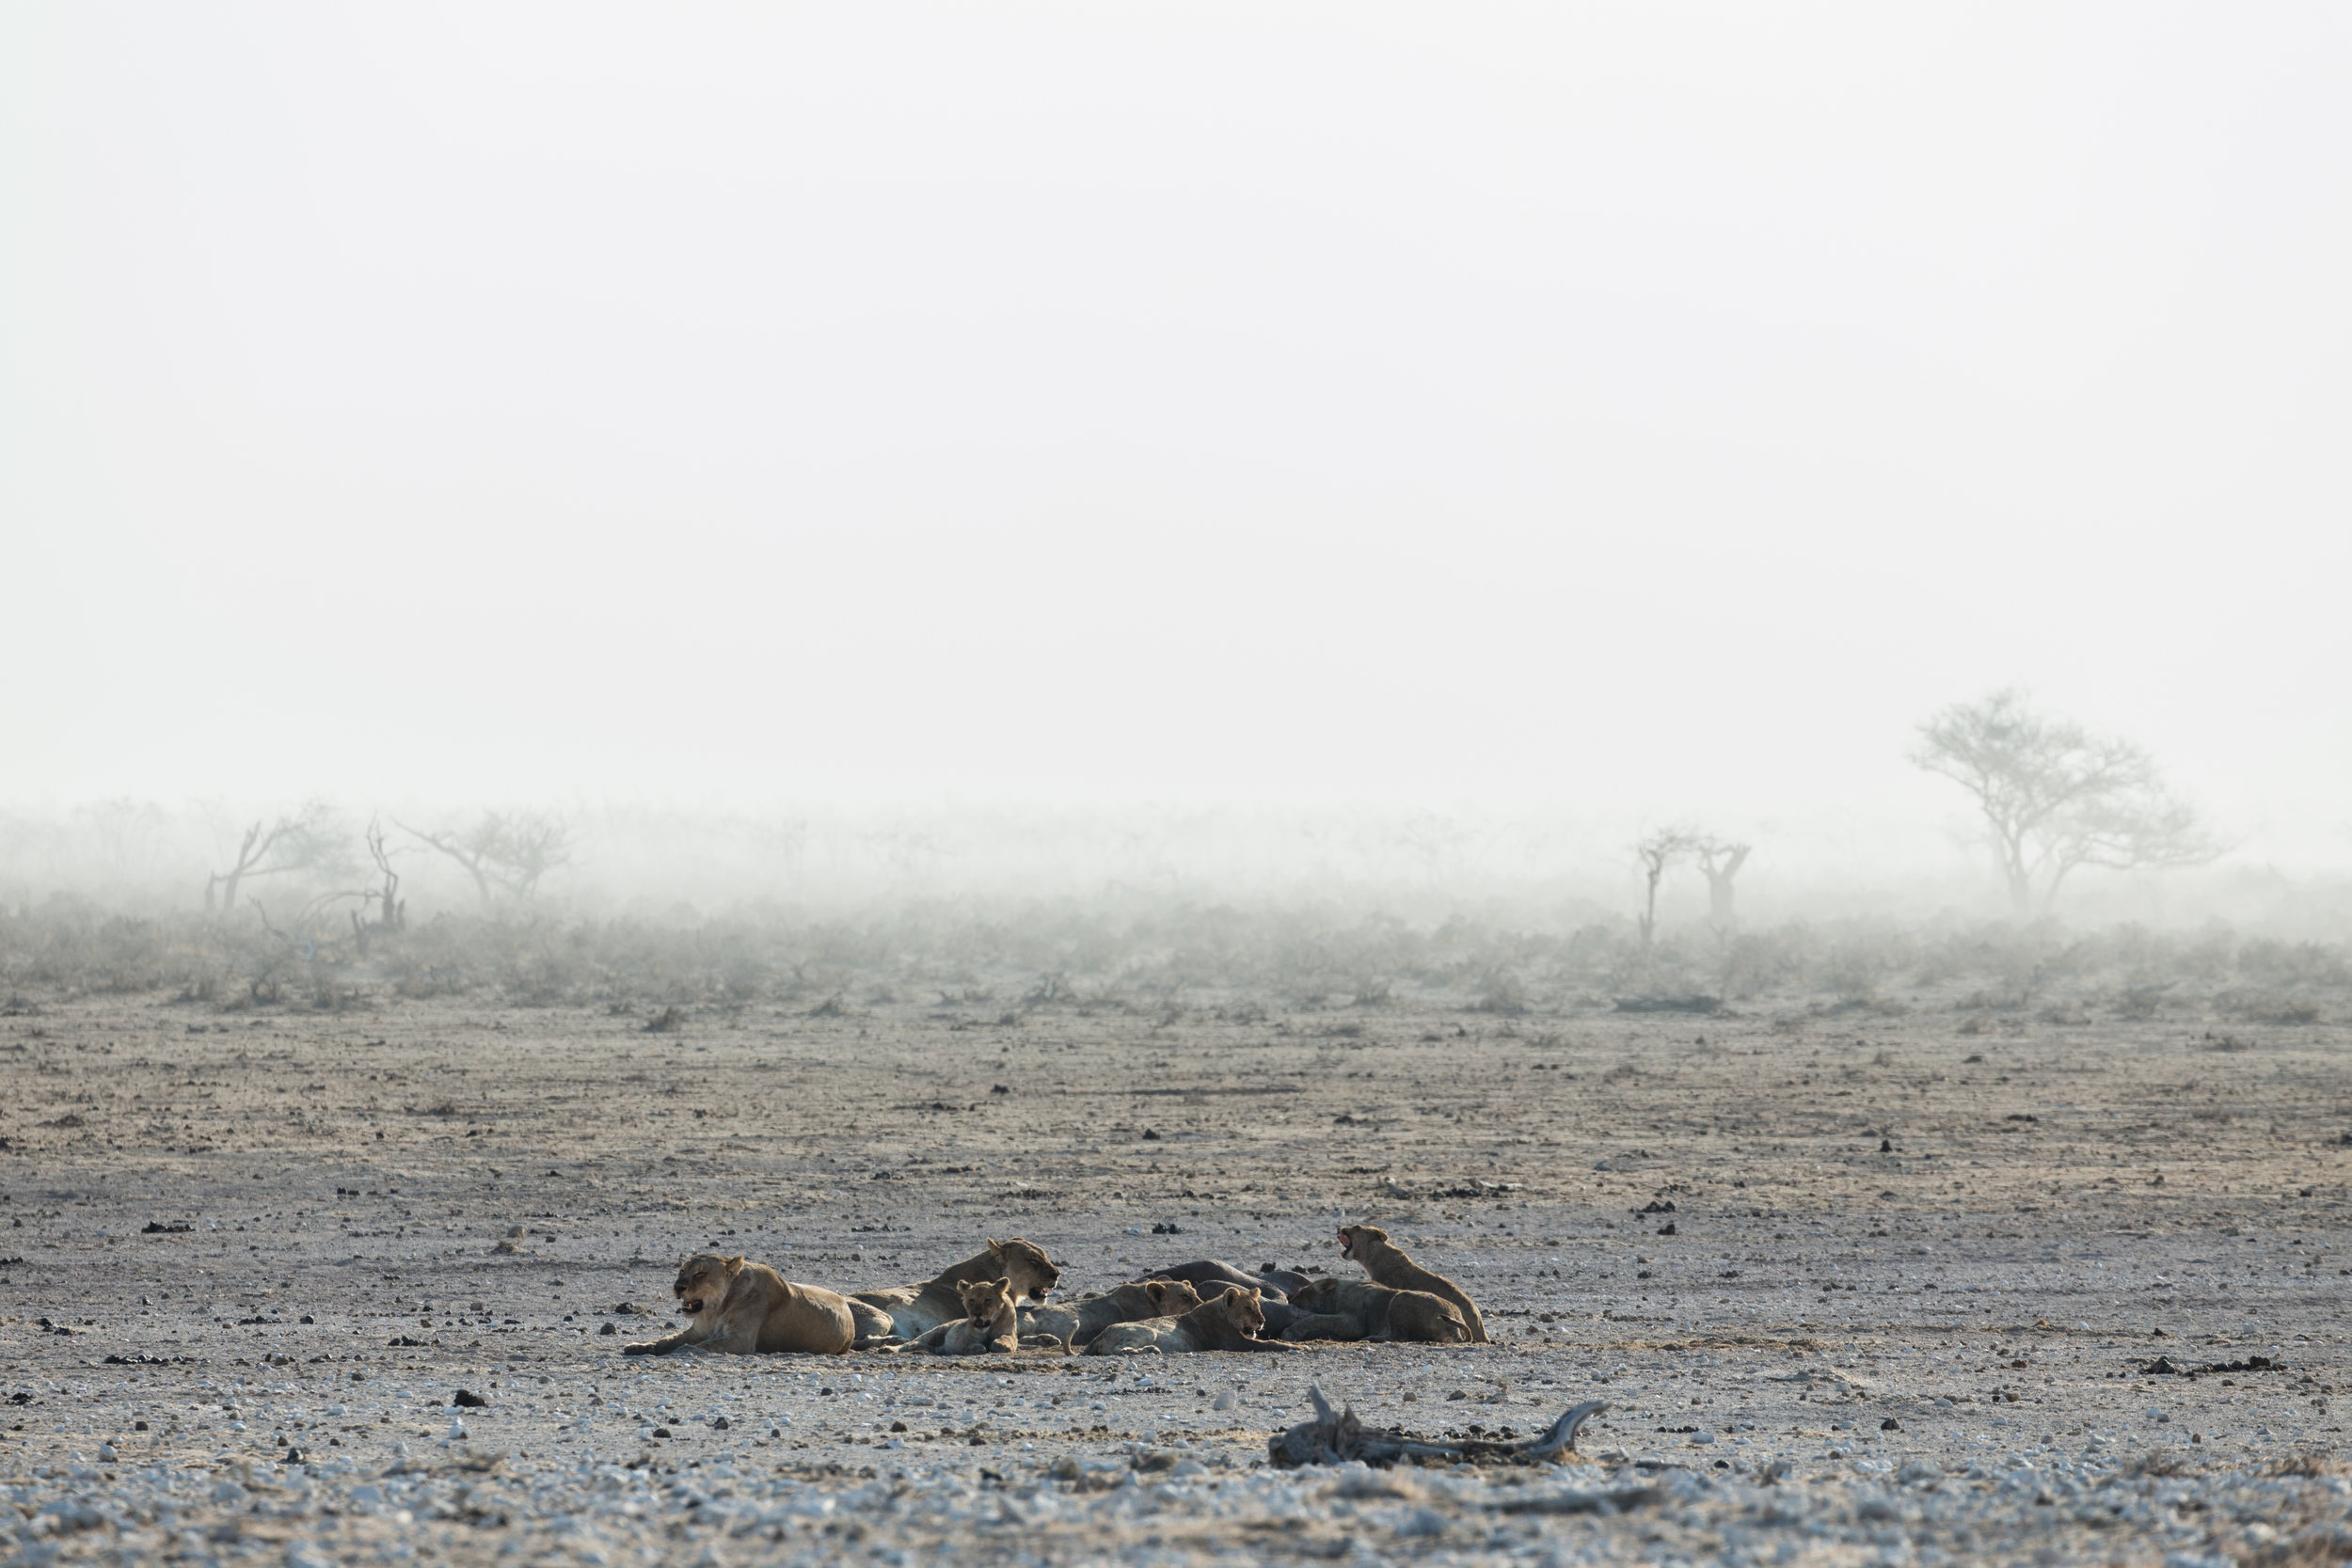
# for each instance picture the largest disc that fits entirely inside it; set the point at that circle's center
(1636, 407)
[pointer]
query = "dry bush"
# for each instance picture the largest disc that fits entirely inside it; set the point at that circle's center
(1160, 955)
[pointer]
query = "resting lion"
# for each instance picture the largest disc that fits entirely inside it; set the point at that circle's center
(907, 1312)
(1076, 1322)
(748, 1308)
(1229, 1322)
(1350, 1310)
(988, 1326)
(1388, 1265)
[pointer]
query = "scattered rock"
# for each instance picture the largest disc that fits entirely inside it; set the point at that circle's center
(469, 1400)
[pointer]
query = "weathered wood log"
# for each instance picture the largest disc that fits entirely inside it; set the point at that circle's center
(1341, 1438)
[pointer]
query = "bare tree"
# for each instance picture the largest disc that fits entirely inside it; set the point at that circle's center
(306, 840)
(505, 853)
(1720, 863)
(1658, 853)
(392, 910)
(2056, 796)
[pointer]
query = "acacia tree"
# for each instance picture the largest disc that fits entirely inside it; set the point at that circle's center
(2056, 796)
(505, 853)
(1720, 863)
(305, 839)
(1658, 853)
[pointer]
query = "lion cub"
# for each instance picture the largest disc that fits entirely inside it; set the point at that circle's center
(1350, 1310)
(750, 1309)
(1388, 1265)
(907, 1312)
(1231, 1320)
(1075, 1324)
(988, 1327)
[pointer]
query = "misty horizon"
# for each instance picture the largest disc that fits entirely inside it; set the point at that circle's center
(1553, 417)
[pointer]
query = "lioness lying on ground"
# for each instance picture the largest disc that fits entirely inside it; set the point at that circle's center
(1228, 1322)
(1211, 1274)
(1388, 1265)
(1350, 1310)
(907, 1312)
(749, 1308)
(988, 1326)
(1203, 1273)
(1076, 1322)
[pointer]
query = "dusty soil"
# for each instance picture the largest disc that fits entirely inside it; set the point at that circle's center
(1859, 1287)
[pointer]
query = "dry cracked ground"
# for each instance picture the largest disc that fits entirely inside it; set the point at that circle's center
(1858, 1288)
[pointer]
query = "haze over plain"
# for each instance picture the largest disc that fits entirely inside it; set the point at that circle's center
(1647, 412)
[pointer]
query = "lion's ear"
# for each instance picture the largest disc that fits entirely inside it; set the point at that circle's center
(1233, 1292)
(995, 1245)
(1156, 1290)
(735, 1264)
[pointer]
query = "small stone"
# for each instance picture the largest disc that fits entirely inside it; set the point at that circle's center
(721, 1424)
(1890, 1424)
(661, 1431)
(469, 1400)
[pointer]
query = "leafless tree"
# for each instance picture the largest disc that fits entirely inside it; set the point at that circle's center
(1658, 853)
(505, 853)
(2056, 796)
(392, 910)
(308, 839)
(1720, 863)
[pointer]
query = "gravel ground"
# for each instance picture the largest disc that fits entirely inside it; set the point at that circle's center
(1860, 1288)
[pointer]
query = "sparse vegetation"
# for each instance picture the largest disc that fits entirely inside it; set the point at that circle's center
(1133, 955)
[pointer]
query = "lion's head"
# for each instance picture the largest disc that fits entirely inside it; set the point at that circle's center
(701, 1282)
(1369, 1237)
(1319, 1295)
(986, 1301)
(1242, 1310)
(1027, 1269)
(1160, 1298)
